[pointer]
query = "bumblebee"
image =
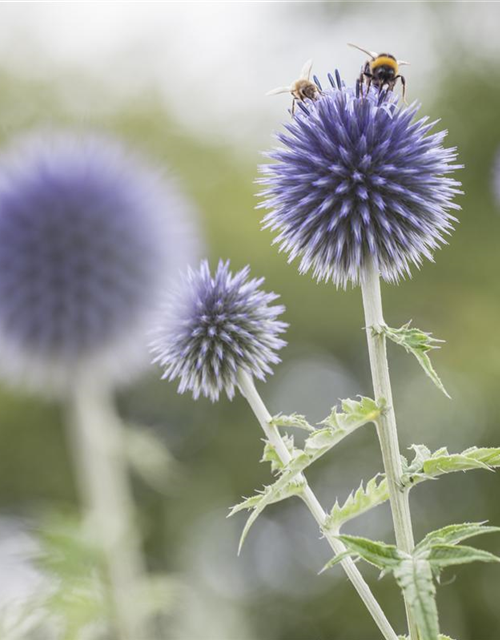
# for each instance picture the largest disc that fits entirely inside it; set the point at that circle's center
(300, 89)
(382, 70)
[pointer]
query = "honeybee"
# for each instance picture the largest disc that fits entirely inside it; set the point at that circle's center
(382, 70)
(300, 89)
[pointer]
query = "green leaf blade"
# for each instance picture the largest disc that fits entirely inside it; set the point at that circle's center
(341, 423)
(383, 556)
(415, 579)
(441, 556)
(271, 455)
(294, 420)
(375, 492)
(455, 533)
(337, 560)
(286, 486)
(354, 414)
(427, 466)
(418, 343)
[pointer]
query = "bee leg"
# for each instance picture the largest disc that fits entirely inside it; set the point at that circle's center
(403, 84)
(368, 77)
(361, 81)
(294, 100)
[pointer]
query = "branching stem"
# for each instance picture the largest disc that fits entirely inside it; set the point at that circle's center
(249, 391)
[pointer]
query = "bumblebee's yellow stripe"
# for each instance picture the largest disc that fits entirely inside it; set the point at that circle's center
(384, 60)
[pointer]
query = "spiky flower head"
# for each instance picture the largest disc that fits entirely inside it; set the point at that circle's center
(359, 179)
(88, 235)
(216, 325)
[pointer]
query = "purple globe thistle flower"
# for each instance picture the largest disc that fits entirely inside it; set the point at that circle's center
(215, 326)
(359, 178)
(88, 235)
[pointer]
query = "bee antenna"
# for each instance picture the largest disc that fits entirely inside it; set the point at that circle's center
(372, 54)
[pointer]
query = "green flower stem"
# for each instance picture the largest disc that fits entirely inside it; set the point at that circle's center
(247, 388)
(386, 424)
(96, 439)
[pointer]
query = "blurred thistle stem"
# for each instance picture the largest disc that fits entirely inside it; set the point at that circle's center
(98, 451)
(386, 424)
(248, 390)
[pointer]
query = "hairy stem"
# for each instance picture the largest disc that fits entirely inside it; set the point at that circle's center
(249, 391)
(386, 424)
(96, 439)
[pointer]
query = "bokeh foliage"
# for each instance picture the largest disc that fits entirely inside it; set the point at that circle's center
(218, 446)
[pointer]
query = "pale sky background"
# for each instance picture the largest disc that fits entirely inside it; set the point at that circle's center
(212, 62)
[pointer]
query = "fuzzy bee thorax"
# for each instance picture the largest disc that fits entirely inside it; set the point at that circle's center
(384, 60)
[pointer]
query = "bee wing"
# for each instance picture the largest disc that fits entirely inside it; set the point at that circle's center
(306, 70)
(402, 62)
(274, 92)
(372, 54)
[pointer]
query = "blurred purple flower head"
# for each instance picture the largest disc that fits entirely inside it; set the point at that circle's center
(359, 178)
(88, 236)
(214, 326)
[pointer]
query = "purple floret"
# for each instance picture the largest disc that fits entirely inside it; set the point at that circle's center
(359, 178)
(216, 325)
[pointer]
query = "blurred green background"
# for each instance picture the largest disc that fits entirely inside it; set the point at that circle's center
(184, 84)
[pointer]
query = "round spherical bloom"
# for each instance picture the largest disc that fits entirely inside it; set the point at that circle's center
(214, 326)
(88, 236)
(359, 179)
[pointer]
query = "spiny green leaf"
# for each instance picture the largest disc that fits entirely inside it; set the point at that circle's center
(336, 559)
(70, 556)
(418, 343)
(441, 462)
(363, 499)
(268, 497)
(270, 454)
(454, 533)
(384, 556)
(75, 596)
(67, 549)
(283, 488)
(415, 579)
(489, 456)
(447, 555)
(354, 414)
(422, 453)
(247, 504)
(424, 466)
(254, 501)
(339, 424)
(294, 420)
(449, 463)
